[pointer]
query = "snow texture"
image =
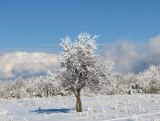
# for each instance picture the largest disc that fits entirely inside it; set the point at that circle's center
(96, 108)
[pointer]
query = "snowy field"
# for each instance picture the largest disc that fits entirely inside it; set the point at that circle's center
(96, 108)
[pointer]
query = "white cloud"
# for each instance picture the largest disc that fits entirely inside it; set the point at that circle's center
(123, 53)
(131, 57)
(154, 45)
(18, 63)
(126, 54)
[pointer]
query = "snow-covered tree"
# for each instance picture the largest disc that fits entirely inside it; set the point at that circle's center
(81, 66)
(150, 79)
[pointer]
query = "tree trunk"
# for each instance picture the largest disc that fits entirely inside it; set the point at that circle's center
(78, 102)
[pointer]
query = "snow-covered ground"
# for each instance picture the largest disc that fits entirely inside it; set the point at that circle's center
(96, 108)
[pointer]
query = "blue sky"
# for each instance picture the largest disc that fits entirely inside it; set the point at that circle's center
(34, 25)
(30, 33)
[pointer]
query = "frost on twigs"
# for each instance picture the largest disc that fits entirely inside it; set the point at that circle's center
(149, 79)
(81, 66)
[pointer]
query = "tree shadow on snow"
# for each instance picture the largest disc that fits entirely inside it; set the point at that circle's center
(48, 111)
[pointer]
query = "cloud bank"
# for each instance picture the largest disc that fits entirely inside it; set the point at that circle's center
(133, 58)
(129, 57)
(26, 64)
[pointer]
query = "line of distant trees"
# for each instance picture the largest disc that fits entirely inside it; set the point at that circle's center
(147, 81)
